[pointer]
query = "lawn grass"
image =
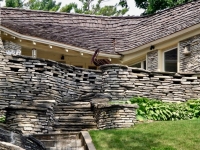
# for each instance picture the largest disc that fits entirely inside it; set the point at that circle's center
(162, 135)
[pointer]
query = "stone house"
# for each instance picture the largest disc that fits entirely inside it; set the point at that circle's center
(166, 41)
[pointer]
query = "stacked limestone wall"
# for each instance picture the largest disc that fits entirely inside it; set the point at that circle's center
(123, 82)
(24, 79)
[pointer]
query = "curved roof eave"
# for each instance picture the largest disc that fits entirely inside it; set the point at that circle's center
(53, 43)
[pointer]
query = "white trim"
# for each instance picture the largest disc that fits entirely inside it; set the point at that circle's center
(178, 59)
(146, 62)
(48, 42)
(164, 57)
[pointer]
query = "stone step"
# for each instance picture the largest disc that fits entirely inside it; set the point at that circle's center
(68, 148)
(67, 112)
(73, 107)
(62, 129)
(75, 104)
(74, 118)
(75, 124)
(69, 135)
(62, 143)
(72, 121)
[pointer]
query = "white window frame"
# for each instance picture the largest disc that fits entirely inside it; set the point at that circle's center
(164, 57)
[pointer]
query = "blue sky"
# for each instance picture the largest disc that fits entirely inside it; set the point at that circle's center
(131, 3)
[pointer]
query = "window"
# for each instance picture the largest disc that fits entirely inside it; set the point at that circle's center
(170, 60)
(141, 64)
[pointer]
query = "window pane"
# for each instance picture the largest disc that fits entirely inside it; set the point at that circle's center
(171, 60)
(144, 63)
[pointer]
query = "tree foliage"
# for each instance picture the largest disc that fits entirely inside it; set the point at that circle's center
(95, 9)
(153, 6)
(14, 3)
(47, 5)
(88, 6)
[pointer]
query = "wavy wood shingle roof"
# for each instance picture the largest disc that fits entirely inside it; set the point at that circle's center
(110, 34)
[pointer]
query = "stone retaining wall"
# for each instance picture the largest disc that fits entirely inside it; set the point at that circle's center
(110, 116)
(24, 79)
(123, 82)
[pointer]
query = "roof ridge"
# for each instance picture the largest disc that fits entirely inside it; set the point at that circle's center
(75, 14)
(101, 16)
(52, 12)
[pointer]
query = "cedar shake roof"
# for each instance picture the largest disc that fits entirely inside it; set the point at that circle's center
(109, 34)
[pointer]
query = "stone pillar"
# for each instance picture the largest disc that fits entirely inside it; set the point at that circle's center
(112, 80)
(152, 61)
(123, 82)
(30, 120)
(12, 48)
(190, 62)
(115, 115)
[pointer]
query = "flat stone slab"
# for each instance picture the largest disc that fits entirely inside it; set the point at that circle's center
(107, 105)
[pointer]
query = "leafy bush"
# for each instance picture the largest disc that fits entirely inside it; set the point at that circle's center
(150, 109)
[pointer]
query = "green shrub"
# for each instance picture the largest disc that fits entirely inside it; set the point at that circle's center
(150, 109)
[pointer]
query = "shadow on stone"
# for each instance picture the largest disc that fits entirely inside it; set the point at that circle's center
(16, 138)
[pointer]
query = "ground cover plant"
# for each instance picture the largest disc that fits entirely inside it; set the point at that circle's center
(150, 109)
(158, 135)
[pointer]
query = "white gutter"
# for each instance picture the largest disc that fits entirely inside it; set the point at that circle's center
(57, 44)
